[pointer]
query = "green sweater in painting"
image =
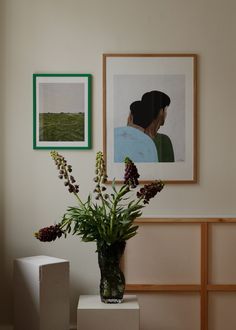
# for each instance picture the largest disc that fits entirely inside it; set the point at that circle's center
(164, 148)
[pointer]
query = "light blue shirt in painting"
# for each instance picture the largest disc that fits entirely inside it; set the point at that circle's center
(131, 142)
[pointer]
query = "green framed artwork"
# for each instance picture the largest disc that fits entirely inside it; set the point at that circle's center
(61, 111)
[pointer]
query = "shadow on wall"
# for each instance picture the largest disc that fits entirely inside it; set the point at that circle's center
(5, 295)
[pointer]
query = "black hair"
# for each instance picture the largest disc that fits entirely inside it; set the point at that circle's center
(146, 110)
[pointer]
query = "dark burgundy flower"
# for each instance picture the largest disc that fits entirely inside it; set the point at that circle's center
(49, 234)
(148, 191)
(131, 173)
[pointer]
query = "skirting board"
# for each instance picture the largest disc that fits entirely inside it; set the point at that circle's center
(10, 327)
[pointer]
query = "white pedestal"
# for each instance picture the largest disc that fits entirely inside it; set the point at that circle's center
(41, 293)
(93, 314)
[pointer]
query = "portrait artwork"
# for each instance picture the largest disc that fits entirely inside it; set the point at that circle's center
(149, 115)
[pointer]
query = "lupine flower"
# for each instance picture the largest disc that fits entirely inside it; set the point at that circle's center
(49, 234)
(131, 173)
(101, 176)
(150, 190)
(64, 171)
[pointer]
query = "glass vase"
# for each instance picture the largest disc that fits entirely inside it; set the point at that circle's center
(112, 282)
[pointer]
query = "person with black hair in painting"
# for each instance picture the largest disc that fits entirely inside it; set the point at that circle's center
(140, 139)
(148, 115)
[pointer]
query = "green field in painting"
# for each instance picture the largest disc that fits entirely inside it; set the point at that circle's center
(61, 126)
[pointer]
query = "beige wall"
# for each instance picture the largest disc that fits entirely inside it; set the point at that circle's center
(69, 36)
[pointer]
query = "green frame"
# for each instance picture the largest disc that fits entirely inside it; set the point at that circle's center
(53, 135)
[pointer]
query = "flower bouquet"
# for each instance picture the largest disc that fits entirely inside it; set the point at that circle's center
(107, 219)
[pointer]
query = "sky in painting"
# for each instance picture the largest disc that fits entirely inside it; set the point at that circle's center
(61, 97)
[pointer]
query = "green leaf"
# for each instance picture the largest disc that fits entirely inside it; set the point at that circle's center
(113, 185)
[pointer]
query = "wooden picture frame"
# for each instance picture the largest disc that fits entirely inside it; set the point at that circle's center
(161, 148)
(61, 111)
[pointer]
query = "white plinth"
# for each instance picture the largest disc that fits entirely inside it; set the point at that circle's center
(93, 314)
(41, 293)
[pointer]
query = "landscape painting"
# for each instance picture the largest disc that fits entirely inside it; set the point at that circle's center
(62, 111)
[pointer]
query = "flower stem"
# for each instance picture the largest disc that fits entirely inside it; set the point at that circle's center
(80, 201)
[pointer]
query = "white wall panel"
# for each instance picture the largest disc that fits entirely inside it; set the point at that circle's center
(169, 311)
(164, 253)
(222, 247)
(222, 314)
